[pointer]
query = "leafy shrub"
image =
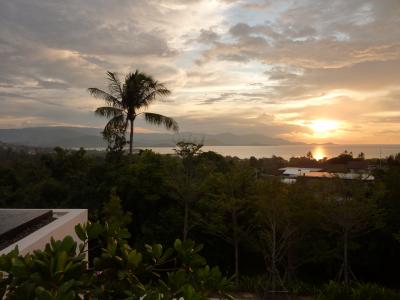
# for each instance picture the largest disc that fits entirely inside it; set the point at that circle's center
(334, 291)
(371, 291)
(360, 291)
(254, 284)
(57, 272)
(61, 271)
(300, 288)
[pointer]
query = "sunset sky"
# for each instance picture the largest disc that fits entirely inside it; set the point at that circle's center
(305, 70)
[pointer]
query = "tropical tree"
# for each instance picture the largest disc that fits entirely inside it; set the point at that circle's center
(128, 100)
(352, 210)
(230, 208)
(187, 186)
(274, 228)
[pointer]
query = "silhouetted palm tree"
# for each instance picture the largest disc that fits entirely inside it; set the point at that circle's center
(126, 101)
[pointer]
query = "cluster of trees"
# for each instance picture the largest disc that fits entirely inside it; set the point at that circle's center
(251, 223)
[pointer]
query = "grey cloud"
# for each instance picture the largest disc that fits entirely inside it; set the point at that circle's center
(207, 36)
(236, 123)
(283, 73)
(70, 44)
(98, 61)
(42, 112)
(311, 53)
(272, 32)
(48, 84)
(234, 57)
(222, 97)
(12, 95)
(287, 92)
(363, 76)
(241, 29)
(359, 19)
(239, 97)
(336, 34)
(366, 76)
(34, 96)
(29, 61)
(89, 27)
(202, 77)
(258, 5)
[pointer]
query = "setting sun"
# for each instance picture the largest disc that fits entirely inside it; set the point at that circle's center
(319, 153)
(323, 127)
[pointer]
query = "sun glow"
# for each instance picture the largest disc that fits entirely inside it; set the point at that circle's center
(323, 128)
(318, 153)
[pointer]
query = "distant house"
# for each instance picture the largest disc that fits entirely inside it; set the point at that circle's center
(295, 171)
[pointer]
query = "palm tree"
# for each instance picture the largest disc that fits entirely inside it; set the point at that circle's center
(126, 101)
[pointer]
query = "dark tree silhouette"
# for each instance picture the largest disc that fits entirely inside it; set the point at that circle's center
(126, 101)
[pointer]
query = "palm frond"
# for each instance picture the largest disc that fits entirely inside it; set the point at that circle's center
(108, 111)
(116, 124)
(162, 90)
(114, 86)
(107, 97)
(150, 93)
(161, 120)
(157, 91)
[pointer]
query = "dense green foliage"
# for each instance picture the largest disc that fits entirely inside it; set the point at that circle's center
(368, 291)
(61, 271)
(251, 224)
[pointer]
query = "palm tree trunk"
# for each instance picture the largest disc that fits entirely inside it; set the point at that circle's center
(131, 138)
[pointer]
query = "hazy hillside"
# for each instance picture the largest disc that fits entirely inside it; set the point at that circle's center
(71, 137)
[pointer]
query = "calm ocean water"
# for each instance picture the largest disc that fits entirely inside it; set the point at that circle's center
(288, 151)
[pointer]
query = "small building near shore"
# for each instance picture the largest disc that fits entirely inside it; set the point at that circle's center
(295, 171)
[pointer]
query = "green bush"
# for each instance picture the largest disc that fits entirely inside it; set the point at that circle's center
(359, 291)
(254, 284)
(61, 272)
(300, 288)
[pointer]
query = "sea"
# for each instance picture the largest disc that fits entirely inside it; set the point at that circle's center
(288, 151)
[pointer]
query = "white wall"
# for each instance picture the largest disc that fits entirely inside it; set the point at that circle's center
(64, 225)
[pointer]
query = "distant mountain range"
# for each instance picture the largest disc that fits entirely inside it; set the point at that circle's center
(74, 137)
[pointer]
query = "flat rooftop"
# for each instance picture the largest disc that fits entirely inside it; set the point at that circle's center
(15, 224)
